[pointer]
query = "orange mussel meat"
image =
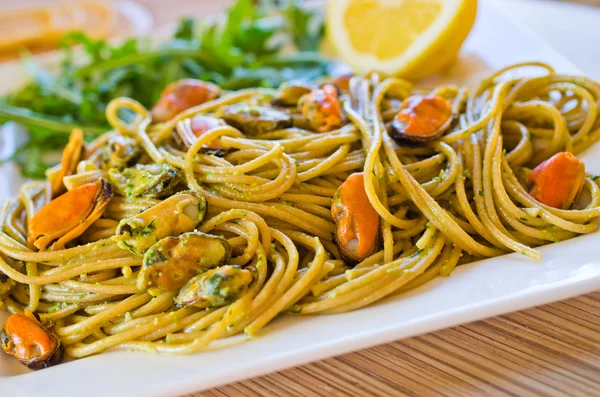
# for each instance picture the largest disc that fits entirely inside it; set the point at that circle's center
(421, 119)
(322, 108)
(182, 95)
(357, 222)
(69, 215)
(70, 157)
(172, 261)
(24, 338)
(557, 181)
(191, 129)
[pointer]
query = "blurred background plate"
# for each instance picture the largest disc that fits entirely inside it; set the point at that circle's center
(38, 25)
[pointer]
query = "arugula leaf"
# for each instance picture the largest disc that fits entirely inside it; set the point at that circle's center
(185, 29)
(48, 83)
(304, 25)
(30, 160)
(237, 14)
(47, 123)
(258, 36)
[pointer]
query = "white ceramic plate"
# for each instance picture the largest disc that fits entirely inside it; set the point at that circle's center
(472, 292)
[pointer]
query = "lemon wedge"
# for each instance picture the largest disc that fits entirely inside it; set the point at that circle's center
(407, 38)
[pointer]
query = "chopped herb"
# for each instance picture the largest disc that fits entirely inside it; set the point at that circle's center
(127, 246)
(56, 307)
(148, 230)
(152, 256)
(439, 178)
(293, 310)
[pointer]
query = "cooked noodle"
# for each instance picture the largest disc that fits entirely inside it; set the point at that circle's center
(454, 200)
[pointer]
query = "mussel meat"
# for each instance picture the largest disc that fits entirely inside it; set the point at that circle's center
(69, 215)
(189, 130)
(322, 108)
(24, 338)
(215, 288)
(253, 120)
(343, 81)
(70, 157)
(173, 261)
(357, 222)
(177, 214)
(290, 93)
(182, 95)
(421, 119)
(120, 152)
(557, 181)
(151, 180)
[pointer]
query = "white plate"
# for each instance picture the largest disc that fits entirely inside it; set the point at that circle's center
(472, 292)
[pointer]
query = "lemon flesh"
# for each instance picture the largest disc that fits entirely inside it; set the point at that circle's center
(407, 38)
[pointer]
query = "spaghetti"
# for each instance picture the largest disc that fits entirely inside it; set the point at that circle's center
(269, 188)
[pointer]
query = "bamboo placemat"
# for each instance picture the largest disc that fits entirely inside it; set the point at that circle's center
(552, 350)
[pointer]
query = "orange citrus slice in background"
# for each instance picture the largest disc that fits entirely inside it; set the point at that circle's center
(407, 38)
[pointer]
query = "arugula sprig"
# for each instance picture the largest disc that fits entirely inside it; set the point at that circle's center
(305, 26)
(242, 49)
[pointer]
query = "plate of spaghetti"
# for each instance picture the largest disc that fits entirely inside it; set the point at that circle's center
(220, 234)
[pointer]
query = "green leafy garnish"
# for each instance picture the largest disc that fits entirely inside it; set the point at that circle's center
(305, 26)
(243, 49)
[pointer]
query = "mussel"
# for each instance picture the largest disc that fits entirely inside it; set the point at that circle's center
(215, 288)
(289, 93)
(120, 152)
(24, 338)
(557, 181)
(177, 214)
(69, 215)
(70, 157)
(343, 81)
(252, 119)
(357, 222)
(173, 261)
(182, 95)
(322, 108)
(189, 130)
(421, 119)
(151, 180)
(6, 285)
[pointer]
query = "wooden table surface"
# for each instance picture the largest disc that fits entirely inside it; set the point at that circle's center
(553, 350)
